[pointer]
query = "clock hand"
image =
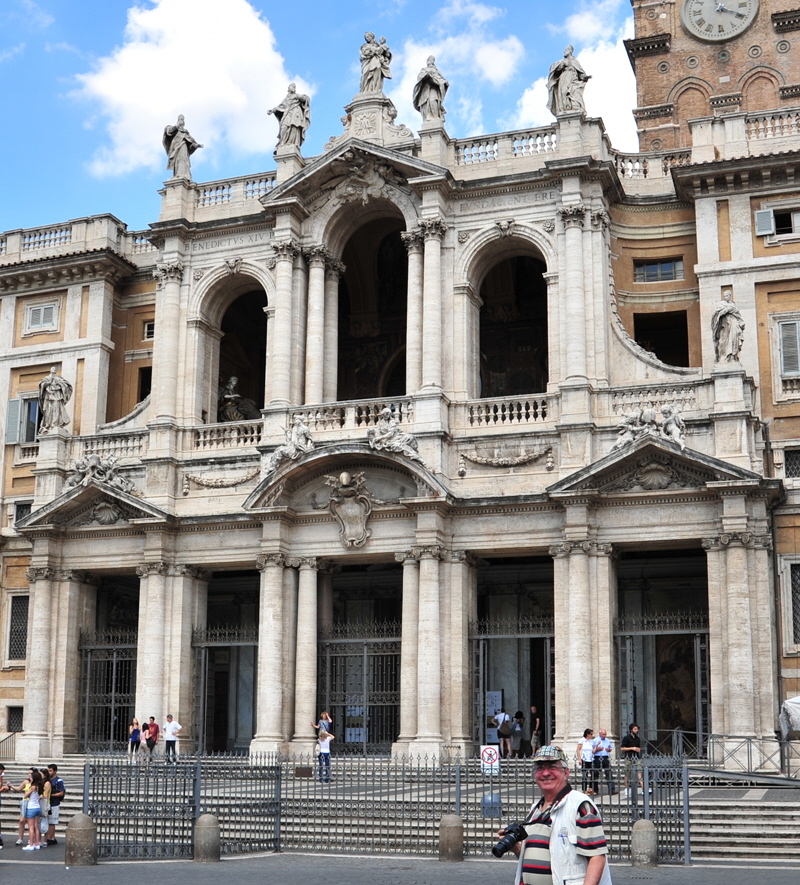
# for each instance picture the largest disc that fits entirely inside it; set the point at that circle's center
(720, 7)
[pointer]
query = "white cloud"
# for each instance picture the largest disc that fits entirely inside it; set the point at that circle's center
(8, 54)
(35, 15)
(467, 53)
(592, 21)
(215, 62)
(610, 93)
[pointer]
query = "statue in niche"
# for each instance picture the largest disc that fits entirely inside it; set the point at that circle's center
(179, 145)
(387, 436)
(294, 117)
(375, 59)
(54, 394)
(350, 504)
(298, 443)
(727, 327)
(565, 84)
(429, 92)
(231, 406)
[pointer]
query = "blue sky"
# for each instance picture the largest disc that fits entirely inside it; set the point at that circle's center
(88, 85)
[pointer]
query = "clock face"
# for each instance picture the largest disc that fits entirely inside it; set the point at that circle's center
(716, 20)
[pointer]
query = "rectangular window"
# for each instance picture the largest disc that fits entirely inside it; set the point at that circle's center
(41, 317)
(18, 629)
(665, 334)
(790, 347)
(21, 510)
(22, 420)
(787, 222)
(145, 382)
(791, 462)
(795, 571)
(658, 271)
(149, 330)
(14, 719)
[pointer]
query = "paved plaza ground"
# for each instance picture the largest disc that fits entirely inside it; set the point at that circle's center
(299, 869)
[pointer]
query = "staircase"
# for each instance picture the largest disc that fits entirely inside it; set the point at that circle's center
(70, 770)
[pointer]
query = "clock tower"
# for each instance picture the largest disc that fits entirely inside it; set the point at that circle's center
(699, 58)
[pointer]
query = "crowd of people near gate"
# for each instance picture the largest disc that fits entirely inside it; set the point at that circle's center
(143, 740)
(42, 793)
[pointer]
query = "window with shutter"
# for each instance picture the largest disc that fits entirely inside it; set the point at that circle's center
(12, 422)
(790, 349)
(41, 317)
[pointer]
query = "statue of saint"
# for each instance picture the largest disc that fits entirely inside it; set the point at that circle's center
(294, 117)
(231, 406)
(727, 327)
(298, 443)
(565, 84)
(429, 92)
(179, 146)
(375, 59)
(54, 394)
(387, 436)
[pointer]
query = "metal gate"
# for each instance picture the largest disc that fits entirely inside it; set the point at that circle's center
(639, 671)
(108, 689)
(481, 633)
(359, 685)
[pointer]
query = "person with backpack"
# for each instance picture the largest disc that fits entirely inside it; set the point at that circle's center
(57, 793)
(503, 722)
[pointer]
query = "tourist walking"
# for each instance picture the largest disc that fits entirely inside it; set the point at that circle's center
(516, 733)
(602, 760)
(503, 723)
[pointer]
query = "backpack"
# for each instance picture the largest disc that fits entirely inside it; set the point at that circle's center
(505, 728)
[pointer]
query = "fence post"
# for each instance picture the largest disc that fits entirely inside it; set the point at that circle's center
(206, 839)
(687, 843)
(451, 838)
(458, 788)
(81, 842)
(644, 844)
(85, 807)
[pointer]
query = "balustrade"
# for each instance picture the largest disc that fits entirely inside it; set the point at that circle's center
(46, 238)
(120, 445)
(236, 434)
(781, 125)
(509, 411)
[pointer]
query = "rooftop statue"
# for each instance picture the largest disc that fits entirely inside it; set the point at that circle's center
(375, 59)
(294, 117)
(565, 84)
(727, 327)
(429, 92)
(179, 145)
(54, 394)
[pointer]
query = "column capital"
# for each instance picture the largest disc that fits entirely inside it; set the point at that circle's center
(287, 250)
(40, 573)
(594, 548)
(317, 255)
(434, 551)
(464, 556)
(166, 272)
(738, 539)
(572, 216)
(433, 228)
(158, 567)
(407, 557)
(267, 560)
(309, 562)
(193, 571)
(79, 577)
(334, 268)
(412, 240)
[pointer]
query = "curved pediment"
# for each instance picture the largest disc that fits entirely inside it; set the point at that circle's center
(652, 464)
(94, 504)
(301, 485)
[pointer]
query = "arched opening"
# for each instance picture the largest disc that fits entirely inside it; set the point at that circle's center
(513, 328)
(372, 312)
(243, 356)
(760, 92)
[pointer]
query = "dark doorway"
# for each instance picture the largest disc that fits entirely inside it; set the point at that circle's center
(243, 349)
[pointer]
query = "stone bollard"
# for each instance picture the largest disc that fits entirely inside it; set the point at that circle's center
(206, 839)
(644, 844)
(451, 838)
(81, 842)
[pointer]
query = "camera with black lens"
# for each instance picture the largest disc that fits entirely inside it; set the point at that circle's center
(512, 834)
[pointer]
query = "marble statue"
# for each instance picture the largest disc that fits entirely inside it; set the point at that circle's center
(54, 394)
(387, 436)
(298, 443)
(294, 117)
(105, 470)
(429, 92)
(179, 146)
(673, 426)
(627, 429)
(565, 84)
(375, 59)
(231, 406)
(727, 327)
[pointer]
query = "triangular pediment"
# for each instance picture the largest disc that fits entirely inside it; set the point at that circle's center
(354, 170)
(301, 485)
(651, 464)
(95, 504)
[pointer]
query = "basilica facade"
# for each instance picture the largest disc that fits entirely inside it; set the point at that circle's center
(422, 426)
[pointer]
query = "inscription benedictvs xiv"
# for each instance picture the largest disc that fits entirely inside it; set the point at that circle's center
(716, 21)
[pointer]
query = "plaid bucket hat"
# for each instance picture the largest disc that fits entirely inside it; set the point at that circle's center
(550, 753)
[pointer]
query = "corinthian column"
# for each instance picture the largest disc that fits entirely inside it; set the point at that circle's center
(429, 676)
(413, 241)
(305, 688)
(281, 357)
(35, 739)
(574, 325)
(269, 705)
(317, 257)
(152, 636)
(409, 649)
(165, 350)
(433, 231)
(330, 374)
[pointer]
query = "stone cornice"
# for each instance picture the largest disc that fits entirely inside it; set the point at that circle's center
(654, 112)
(783, 22)
(657, 44)
(60, 271)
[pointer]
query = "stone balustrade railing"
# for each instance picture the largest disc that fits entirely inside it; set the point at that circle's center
(232, 195)
(132, 444)
(218, 437)
(774, 125)
(687, 398)
(530, 143)
(354, 415)
(80, 235)
(509, 412)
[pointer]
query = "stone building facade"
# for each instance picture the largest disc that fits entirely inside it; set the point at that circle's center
(391, 429)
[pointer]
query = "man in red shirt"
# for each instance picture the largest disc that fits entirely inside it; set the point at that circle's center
(152, 738)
